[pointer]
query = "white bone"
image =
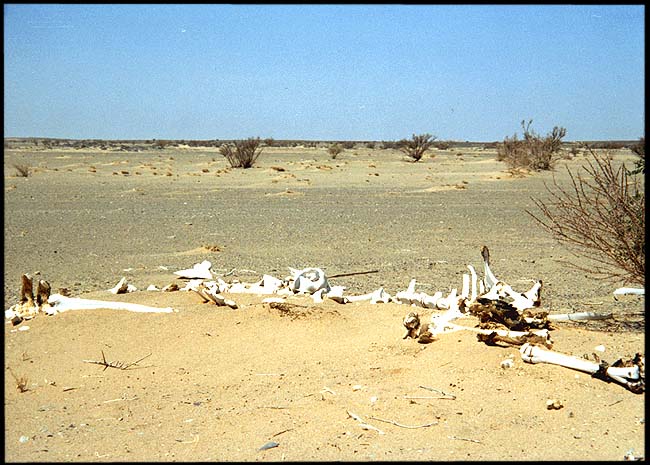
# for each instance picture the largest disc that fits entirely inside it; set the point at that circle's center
(380, 296)
(519, 301)
(152, 287)
(60, 303)
(489, 279)
(336, 294)
(308, 280)
(534, 293)
(450, 302)
(464, 292)
(276, 300)
(534, 354)
(318, 296)
(472, 271)
(198, 271)
(212, 293)
(578, 316)
(192, 285)
(123, 287)
(629, 290)
(411, 287)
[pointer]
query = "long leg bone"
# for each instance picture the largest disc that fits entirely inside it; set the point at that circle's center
(579, 316)
(632, 377)
(59, 304)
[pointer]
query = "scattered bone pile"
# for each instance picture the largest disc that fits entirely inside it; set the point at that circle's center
(505, 316)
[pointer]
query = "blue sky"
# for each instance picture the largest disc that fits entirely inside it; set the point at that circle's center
(323, 72)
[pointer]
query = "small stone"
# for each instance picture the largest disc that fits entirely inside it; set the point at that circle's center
(23, 439)
(553, 404)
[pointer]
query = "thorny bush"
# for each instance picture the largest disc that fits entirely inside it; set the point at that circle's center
(533, 151)
(242, 153)
(601, 218)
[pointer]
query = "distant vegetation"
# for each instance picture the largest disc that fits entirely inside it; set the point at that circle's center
(334, 150)
(533, 152)
(417, 145)
(145, 145)
(242, 153)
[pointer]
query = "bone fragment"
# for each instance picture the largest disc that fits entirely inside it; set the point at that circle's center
(198, 271)
(579, 316)
(472, 271)
(464, 292)
(318, 296)
(489, 279)
(152, 287)
(59, 303)
(191, 285)
(212, 294)
(122, 287)
(629, 290)
(336, 294)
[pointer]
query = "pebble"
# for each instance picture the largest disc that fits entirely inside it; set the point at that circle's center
(23, 439)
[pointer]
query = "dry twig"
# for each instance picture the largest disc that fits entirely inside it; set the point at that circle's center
(116, 364)
(405, 426)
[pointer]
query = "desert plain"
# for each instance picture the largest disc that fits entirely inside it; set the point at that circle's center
(258, 384)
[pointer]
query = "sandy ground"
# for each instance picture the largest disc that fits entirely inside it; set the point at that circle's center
(218, 384)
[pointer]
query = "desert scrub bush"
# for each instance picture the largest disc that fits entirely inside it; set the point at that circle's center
(22, 171)
(417, 145)
(335, 150)
(601, 218)
(242, 153)
(639, 150)
(533, 151)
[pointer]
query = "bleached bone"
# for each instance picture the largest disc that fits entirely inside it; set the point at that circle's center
(377, 296)
(152, 287)
(451, 302)
(472, 271)
(633, 377)
(442, 323)
(267, 285)
(525, 301)
(308, 280)
(489, 279)
(274, 300)
(336, 294)
(122, 287)
(198, 271)
(318, 296)
(410, 297)
(59, 303)
(579, 316)
(192, 285)
(629, 290)
(464, 291)
(211, 293)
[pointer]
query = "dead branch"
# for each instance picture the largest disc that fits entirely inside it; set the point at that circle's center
(116, 364)
(405, 426)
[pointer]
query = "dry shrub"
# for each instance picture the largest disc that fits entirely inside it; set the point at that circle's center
(22, 171)
(602, 218)
(533, 151)
(242, 153)
(417, 145)
(335, 150)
